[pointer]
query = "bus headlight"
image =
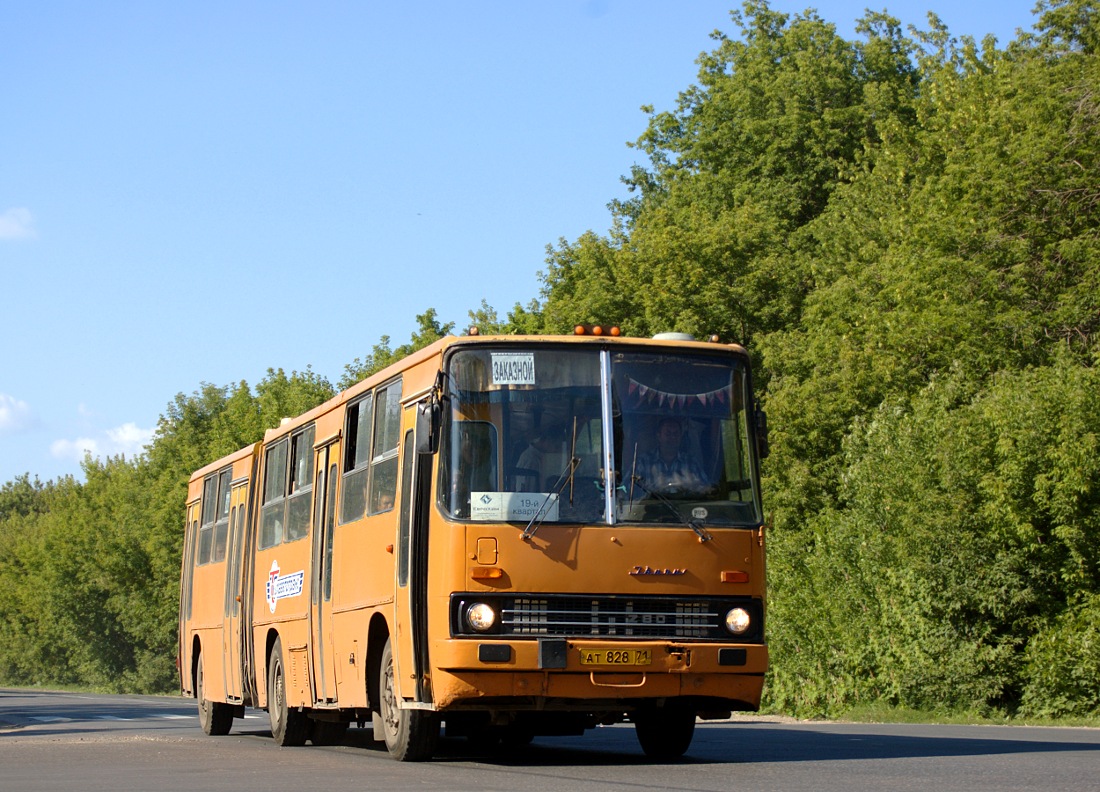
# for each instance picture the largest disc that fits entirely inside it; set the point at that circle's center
(481, 617)
(738, 621)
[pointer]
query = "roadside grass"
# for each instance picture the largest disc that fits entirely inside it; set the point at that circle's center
(64, 687)
(883, 713)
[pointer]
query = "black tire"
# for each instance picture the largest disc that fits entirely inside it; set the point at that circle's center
(410, 735)
(215, 717)
(328, 732)
(288, 727)
(665, 732)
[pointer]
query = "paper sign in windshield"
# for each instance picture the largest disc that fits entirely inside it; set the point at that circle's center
(513, 368)
(513, 506)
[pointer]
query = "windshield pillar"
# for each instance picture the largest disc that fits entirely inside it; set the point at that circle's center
(608, 471)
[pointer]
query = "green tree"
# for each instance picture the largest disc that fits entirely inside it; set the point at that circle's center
(280, 396)
(92, 569)
(879, 219)
(970, 245)
(969, 529)
(905, 231)
(428, 331)
(22, 497)
(714, 240)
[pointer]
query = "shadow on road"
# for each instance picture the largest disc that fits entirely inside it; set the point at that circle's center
(750, 743)
(779, 744)
(762, 742)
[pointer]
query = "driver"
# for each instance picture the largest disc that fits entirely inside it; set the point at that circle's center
(667, 467)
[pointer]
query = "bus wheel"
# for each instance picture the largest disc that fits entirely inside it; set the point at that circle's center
(665, 732)
(288, 726)
(411, 735)
(214, 717)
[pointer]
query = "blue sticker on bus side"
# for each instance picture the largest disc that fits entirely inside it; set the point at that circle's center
(282, 586)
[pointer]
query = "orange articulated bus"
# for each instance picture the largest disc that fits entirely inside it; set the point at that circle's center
(510, 536)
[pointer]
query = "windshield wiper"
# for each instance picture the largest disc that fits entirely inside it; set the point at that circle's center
(693, 524)
(566, 477)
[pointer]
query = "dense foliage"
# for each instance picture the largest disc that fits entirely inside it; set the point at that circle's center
(905, 231)
(90, 571)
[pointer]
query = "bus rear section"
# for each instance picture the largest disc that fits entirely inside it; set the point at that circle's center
(213, 655)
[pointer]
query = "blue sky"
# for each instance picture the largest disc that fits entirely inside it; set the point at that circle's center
(197, 192)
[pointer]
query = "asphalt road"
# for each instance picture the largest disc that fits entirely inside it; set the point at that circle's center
(68, 741)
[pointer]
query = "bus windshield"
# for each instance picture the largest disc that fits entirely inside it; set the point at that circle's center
(591, 435)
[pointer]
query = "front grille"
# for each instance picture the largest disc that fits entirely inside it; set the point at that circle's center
(609, 618)
(606, 616)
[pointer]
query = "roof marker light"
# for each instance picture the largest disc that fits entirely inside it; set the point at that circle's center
(597, 330)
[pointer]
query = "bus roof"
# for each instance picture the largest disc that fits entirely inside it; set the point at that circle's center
(229, 459)
(436, 349)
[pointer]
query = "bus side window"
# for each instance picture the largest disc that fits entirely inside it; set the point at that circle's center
(209, 511)
(301, 484)
(221, 526)
(274, 495)
(353, 492)
(387, 435)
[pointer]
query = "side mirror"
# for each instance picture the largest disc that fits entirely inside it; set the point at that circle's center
(427, 426)
(762, 448)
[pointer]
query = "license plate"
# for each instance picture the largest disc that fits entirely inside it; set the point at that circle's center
(616, 657)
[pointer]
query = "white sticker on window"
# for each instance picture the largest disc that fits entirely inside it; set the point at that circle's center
(513, 368)
(513, 506)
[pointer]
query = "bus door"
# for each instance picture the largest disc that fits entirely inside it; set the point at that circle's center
(232, 638)
(185, 660)
(412, 563)
(324, 520)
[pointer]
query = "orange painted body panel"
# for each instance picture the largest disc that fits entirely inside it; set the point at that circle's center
(569, 558)
(589, 560)
(597, 689)
(285, 616)
(363, 575)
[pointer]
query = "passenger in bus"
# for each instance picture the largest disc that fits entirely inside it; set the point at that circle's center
(383, 487)
(529, 466)
(667, 467)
